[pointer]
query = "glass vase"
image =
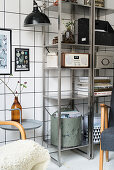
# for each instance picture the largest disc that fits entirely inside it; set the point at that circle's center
(15, 114)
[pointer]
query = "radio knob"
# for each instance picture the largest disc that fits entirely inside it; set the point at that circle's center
(105, 62)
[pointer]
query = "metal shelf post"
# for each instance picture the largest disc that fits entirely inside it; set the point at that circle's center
(59, 81)
(91, 77)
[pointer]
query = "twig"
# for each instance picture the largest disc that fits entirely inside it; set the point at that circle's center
(16, 88)
(7, 86)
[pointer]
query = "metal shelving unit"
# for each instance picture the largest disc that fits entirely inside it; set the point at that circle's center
(67, 7)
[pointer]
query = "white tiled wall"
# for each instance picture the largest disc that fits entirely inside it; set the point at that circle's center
(12, 15)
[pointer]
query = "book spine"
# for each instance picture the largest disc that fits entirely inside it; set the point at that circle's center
(103, 93)
(103, 90)
(96, 93)
(102, 81)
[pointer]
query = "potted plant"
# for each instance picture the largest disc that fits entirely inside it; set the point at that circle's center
(68, 36)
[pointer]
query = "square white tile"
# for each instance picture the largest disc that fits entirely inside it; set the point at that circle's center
(29, 134)
(2, 136)
(8, 115)
(13, 53)
(38, 39)
(39, 114)
(39, 140)
(1, 5)
(31, 54)
(26, 6)
(2, 114)
(38, 85)
(38, 54)
(27, 100)
(109, 4)
(12, 6)
(30, 85)
(15, 37)
(1, 20)
(28, 113)
(12, 135)
(12, 84)
(27, 38)
(54, 25)
(38, 100)
(12, 17)
(53, 85)
(2, 106)
(15, 73)
(39, 131)
(9, 101)
(29, 73)
(38, 69)
(1, 87)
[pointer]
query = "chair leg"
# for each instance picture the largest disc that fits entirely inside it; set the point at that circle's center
(107, 156)
(101, 159)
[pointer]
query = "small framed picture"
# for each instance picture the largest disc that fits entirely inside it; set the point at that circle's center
(21, 59)
(5, 51)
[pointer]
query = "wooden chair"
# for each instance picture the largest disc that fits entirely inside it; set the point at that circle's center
(23, 154)
(16, 124)
(107, 131)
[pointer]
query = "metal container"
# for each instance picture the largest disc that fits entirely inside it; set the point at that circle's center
(70, 131)
(96, 128)
(104, 61)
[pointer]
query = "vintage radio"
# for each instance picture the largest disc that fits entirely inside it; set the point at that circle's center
(77, 60)
(99, 3)
(104, 61)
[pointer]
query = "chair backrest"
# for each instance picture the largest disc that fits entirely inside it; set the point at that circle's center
(111, 113)
(16, 124)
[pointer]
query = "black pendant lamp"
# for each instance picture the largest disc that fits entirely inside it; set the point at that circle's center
(36, 18)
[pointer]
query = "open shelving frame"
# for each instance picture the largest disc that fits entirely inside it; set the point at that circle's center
(67, 7)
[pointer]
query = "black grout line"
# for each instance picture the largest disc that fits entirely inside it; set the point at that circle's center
(18, 139)
(34, 81)
(4, 78)
(20, 38)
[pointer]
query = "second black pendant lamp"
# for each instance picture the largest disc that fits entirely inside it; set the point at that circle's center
(36, 18)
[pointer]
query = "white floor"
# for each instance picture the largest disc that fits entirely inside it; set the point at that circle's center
(74, 161)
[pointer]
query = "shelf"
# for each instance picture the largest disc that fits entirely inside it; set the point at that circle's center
(104, 46)
(66, 44)
(67, 7)
(103, 95)
(63, 68)
(53, 149)
(77, 45)
(55, 68)
(83, 144)
(67, 97)
(103, 68)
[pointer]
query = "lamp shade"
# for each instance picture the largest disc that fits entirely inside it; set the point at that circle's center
(36, 18)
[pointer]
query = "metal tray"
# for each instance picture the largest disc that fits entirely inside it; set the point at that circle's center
(28, 124)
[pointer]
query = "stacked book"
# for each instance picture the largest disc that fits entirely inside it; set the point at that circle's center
(102, 86)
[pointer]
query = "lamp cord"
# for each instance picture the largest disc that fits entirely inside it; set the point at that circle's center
(34, 3)
(43, 5)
